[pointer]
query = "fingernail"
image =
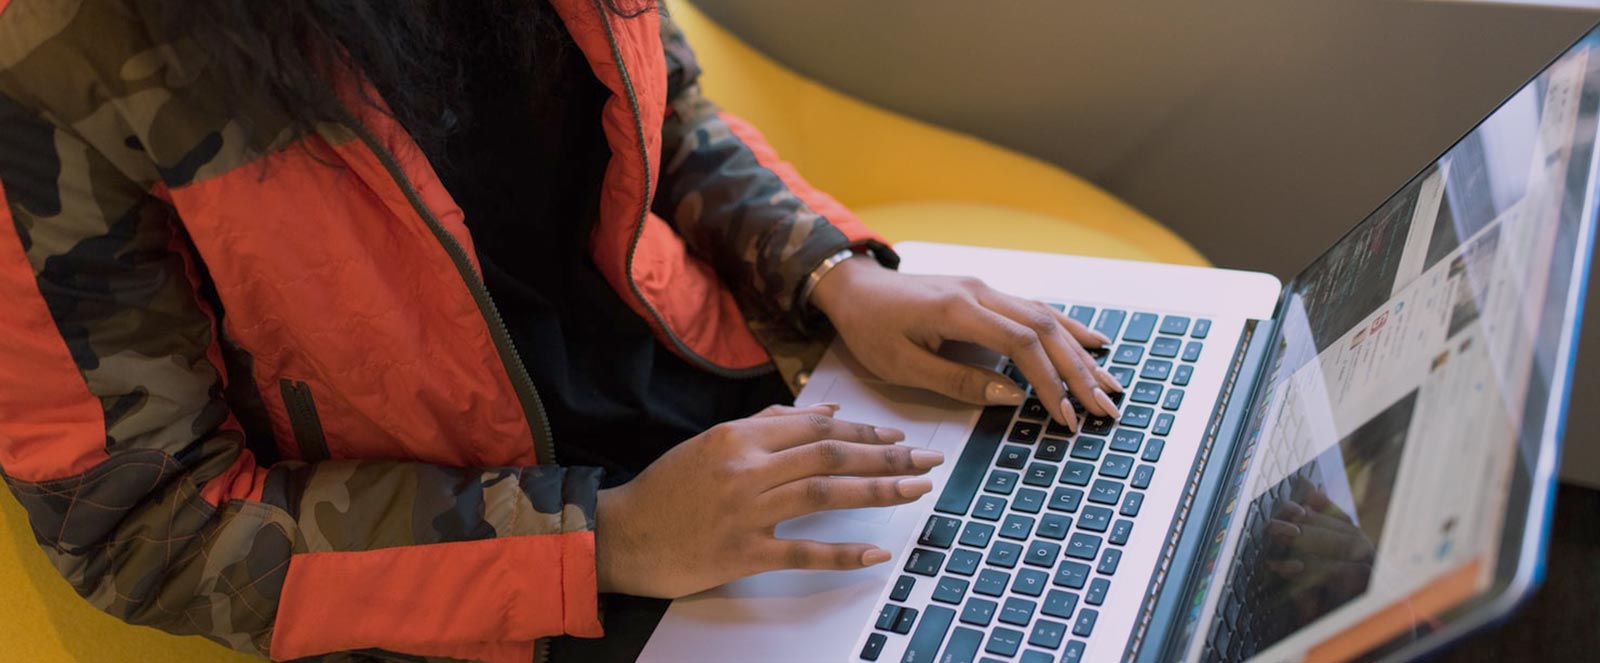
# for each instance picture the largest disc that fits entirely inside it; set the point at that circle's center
(830, 406)
(889, 434)
(1072, 414)
(1281, 528)
(923, 459)
(1293, 511)
(874, 556)
(913, 487)
(1102, 338)
(1000, 393)
(1111, 381)
(1106, 403)
(1287, 568)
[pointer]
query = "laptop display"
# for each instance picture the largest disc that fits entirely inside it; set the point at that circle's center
(1409, 403)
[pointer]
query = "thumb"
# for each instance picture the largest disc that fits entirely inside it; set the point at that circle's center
(969, 384)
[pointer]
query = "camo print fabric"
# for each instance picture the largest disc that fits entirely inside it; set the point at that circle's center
(762, 239)
(95, 115)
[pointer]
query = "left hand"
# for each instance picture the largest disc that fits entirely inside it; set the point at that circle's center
(894, 323)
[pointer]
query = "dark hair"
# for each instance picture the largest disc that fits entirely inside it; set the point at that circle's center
(413, 51)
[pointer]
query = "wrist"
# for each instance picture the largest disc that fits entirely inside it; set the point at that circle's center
(605, 546)
(830, 291)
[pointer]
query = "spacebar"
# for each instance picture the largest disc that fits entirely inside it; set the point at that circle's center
(974, 461)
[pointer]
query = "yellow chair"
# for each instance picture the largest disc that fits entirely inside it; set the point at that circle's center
(908, 179)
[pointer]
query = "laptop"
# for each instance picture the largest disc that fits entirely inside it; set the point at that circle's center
(1356, 465)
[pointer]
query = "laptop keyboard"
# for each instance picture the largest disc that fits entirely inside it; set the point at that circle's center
(1024, 542)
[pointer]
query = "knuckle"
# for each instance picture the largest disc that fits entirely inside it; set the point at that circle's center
(971, 283)
(897, 459)
(821, 425)
(832, 455)
(1042, 321)
(1019, 338)
(798, 557)
(818, 491)
(867, 433)
(965, 382)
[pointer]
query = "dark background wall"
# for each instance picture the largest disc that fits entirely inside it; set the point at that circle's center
(1259, 130)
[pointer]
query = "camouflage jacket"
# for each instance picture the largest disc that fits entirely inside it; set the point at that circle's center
(258, 392)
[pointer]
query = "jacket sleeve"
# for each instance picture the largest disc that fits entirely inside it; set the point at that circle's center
(740, 207)
(116, 439)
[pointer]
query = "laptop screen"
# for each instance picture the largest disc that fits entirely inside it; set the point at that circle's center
(1409, 406)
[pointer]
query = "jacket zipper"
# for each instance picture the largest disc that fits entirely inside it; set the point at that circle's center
(644, 211)
(303, 420)
(527, 393)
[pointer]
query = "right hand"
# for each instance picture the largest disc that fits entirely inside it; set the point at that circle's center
(704, 513)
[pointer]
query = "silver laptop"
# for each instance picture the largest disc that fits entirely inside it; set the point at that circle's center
(1357, 465)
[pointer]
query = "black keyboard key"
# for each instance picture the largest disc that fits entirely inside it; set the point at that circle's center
(924, 644)
(1029, 582)
(1146, 392)
(1047, 634)
(1004, 554)
(1042, 553)
(1052, 449)
(1059, 604)
(1173, 401)
(1025, 432)
(1036, 656)
(939, 532)
(1142, 476)
(1131, 504)
(969, 470)
(1083, 314)
(902, 588)
(1152, 451)
(1033, 410)
(1120, 531)
(1202, 327)
(874, 647)
(1109, 561)
(1140, 326)
(1165, 347)
(1001, 481)
(1073, 653)
(1105, 491)
(924, 562)
(1191, 351)
(1012, 457)
(1098, 425)
(978, 611)
(1099, 355)
(1175, 324)
(1156, 369)
(1137, 416)
(989, 508)
(1110, 322)
(950, 590)
(1054, 428)
(1095, 519)
(1088, 448)
(1096, 594)
(1028, 500)
(1126, 441)
(887, 617)
(977, 534)
(1016, 526)
(963, 562)
(1181, 375)
(1123, 375)
(1003, 641)
(964, 643)
(1077, 474)
(1065, 499)
(1072, 575)
(1040, 474)
(1116, 466)
(1018, 611)
(1085, 624)
(991, 582)
(1054, 526)
(1083, 545)
(1163, 424)
(902, 625)
(1128, 354)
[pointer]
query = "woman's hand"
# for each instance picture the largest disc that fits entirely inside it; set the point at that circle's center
(704, 513)
(894, 323)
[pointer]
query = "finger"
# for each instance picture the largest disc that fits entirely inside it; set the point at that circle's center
(1085, 336)
(821, 556)
(915, 366)
(813, 494)
(777, 433)
(1066, 355)
(979, 324)
(780, 410)
(1312, 540)
(840, 458)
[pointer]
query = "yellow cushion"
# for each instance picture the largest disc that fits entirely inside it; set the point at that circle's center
(908, 179)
